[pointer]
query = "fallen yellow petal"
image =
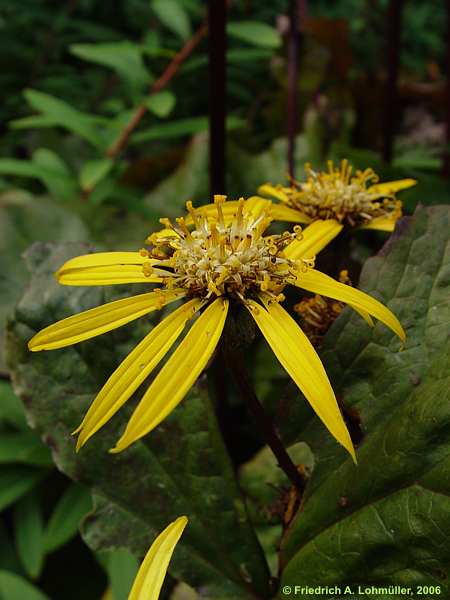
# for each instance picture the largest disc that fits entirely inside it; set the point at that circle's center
(93, 322)
(134, 370)
(178, 375)
(319, 283)
(314, 239)
(295, 352)
(151, 574)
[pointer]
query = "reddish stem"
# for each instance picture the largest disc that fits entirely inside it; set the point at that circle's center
(157, 86)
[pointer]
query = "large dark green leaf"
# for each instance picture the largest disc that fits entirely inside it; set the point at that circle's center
(24, 219)
(181, 468)
(387, 519)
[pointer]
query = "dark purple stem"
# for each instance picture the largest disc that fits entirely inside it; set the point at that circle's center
(391, 108)
(217, 94)
(233, 356)
(295, 6)
(446, 161)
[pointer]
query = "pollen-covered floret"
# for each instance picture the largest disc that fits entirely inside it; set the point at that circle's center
(225, 259)
(336, 194)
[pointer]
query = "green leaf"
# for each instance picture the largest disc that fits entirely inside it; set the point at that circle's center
(247, 170)
(94, 171)
(384, 520)
(20, 168)
(9, 561)
(11, 409)
(182, 468)
(34, 122)
(14, 587)
(64, 522)
(161, 104)
(28, 528)
(190, 180)
(24, 219)
(60, 113)
(55, 174)
(254, 32)
(172, 14)
(236, 56)
(182, 127)
(122, 568)
(17, 481)
(124, 57)
(48, 168)
(25, 448)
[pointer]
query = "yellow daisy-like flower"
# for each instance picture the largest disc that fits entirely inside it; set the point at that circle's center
(210, 264)
(150, 578)
(357, 200)
(329, 201)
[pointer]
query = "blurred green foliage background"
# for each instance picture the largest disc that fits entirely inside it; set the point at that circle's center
(72, 75)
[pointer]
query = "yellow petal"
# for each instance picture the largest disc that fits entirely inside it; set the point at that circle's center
(178, 375)
(253, 205)
(281, 212)
(256, 206)
(162, 233)
(391, 187)
(135, 369)
(108, 595)
(362, 313)
(110, 275)
(101, 319)
(99, 259)
(381, 224)
(229, 209)
(314, 239)
(108, 268)
(295, 352)
(276, 191)
(151, 574)
(319, 283)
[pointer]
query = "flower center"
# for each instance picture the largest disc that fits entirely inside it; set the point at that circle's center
(215, 258)
(337, 195)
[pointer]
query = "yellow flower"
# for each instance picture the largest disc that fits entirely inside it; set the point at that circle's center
(213, 263)
(150, 577)
(338, 199)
